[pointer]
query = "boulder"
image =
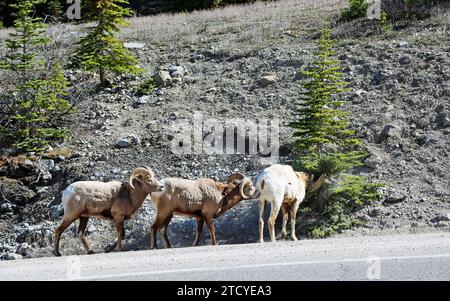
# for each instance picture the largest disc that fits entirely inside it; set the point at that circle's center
(268, 80)
(163, 78)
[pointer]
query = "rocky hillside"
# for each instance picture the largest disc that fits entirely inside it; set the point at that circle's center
(243, 63)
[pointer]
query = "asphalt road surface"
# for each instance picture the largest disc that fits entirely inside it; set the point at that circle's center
(400, 257)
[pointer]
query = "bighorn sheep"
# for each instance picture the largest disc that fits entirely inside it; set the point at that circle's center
(284, 188)
(203, 199)
(115, 201)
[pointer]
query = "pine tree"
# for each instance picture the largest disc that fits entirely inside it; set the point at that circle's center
(100, 51)
(36, 97)
(322, 131)
(327, 145)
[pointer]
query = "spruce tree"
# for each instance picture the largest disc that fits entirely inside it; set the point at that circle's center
(323, 137)
(100, 50)
(326, 144)
(36, 96)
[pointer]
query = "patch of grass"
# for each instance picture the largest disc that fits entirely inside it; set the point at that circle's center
(146, 87)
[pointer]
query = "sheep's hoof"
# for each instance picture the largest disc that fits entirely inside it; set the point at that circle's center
(109, 248)
(90, 252)
(56, 253)
(294, 238)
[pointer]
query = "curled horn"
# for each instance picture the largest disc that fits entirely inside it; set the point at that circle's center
(246, 181)
(138, 171)
(149, 169)
(235, 176)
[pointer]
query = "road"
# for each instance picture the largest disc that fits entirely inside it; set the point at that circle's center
(400, 257)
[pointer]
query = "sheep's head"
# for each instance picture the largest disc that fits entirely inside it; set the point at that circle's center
(246, 188)
(308, 179)
(146, 179)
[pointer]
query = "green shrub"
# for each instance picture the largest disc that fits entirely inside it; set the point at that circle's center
(357, 9)
(385, 24)
(343, 198)
(147, 87)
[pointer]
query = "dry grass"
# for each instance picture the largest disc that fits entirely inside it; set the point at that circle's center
(231, 26)
(236, 27)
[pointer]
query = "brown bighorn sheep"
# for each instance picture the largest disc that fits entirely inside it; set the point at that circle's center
(115, 201)
(204, 199)
(284, 188)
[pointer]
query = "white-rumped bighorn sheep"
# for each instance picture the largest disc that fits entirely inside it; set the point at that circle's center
(204, 199)
(284, 188)
(114, 200)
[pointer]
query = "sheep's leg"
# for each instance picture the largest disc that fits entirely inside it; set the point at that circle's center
(199, 229)
(212, 231)
(274, 210)
(262, 205)
(58, 231)
(82, 234)
(155, 227)
(294, 210)
(285, 214)
(164, 232)
(120, 233)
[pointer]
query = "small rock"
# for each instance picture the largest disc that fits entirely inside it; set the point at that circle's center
(268, 80)
(163, 78)
(47, 176)
(46, 165)
(442, 224)
(23, 248)
(28, 163)
(13, 256)
(176, 71)
(101, 157)
(5, 208)
(56, 211)
(395, 198)
(391, 131)
(444, 119)
(141, 100)
(134, 45)
(135, 140)
(373, 162)
(445, 217)
(42, 190)
(123, 143)
(380, 76)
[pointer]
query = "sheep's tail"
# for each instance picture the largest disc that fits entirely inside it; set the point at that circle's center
(67, 195)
